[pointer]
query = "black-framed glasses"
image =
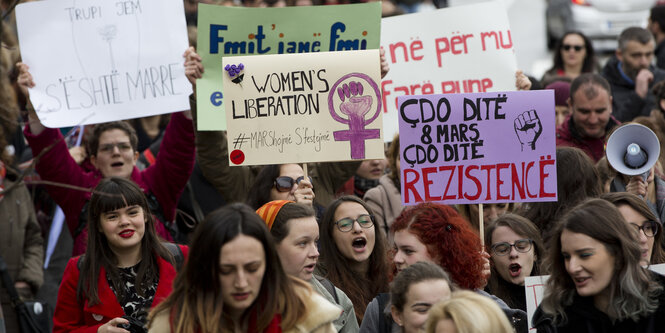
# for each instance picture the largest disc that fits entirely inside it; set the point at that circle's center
(520, 245)
(567, 47)
(346, 224)
(649, 228)
(108, 148)
(285, 183)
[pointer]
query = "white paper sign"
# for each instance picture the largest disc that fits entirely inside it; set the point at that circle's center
(453, 50)
(97, 61)
(535, 287)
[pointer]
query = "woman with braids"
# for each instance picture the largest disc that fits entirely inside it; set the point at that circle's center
(126, 269)
(353, 252)
(597, 283)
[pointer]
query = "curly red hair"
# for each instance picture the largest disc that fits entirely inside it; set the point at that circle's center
(449, 240)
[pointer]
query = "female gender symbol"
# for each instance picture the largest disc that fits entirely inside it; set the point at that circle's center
(355, 106)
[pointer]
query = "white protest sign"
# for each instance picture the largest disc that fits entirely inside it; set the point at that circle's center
(535, 287)
(461, 49)
(308, 107)
(98, 61)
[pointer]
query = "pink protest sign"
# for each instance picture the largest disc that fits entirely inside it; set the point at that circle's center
(478, 147)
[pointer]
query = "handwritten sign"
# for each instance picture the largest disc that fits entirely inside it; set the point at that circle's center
(97, 61)
(478, 148)
(535, 288)
(303, 107)
(236, 31)
(453, 50)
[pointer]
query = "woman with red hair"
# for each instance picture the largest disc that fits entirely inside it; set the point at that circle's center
(435, 233)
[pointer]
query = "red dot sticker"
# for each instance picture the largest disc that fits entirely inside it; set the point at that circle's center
(237, 156)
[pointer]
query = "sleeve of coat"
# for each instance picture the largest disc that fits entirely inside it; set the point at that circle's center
(32, 271)
(327, 177)
(68, 315)
(175, 161)
(213, 157)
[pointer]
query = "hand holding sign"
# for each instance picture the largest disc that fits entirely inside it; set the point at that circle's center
(528, 128)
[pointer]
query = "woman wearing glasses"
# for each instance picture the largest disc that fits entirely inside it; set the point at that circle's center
(353, 258)
(638, 216)
(597, 283)
(574, 55)
(515, 247)
(280, 182)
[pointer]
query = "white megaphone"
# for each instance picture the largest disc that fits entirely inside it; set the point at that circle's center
(632, 150)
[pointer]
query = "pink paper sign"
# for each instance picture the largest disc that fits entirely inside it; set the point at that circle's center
(478, 147)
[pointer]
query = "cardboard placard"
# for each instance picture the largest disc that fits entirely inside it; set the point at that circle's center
(98, 61)
(478, 148)
(304, 108)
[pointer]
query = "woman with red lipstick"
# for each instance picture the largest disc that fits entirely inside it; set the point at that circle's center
(648, 227)
(515, 247)
(233, 281)
(126, 269)
(597, 283)
(353, 253)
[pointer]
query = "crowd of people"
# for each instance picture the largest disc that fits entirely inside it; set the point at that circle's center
(160, 234)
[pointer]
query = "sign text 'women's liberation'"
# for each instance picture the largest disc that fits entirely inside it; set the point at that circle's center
(477, 148)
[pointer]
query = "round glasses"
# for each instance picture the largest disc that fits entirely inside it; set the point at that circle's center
(346, 224)
(649, 228)
(520, 245)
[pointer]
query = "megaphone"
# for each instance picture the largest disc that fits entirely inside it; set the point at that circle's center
(633, 149)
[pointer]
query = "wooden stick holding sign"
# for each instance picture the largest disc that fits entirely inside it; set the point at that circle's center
(481, 224)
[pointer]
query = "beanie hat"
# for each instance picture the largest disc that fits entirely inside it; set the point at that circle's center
(269, 211)
(561, 92)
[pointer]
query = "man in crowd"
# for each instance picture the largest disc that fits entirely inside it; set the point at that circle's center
(591, 119)
(631, 74)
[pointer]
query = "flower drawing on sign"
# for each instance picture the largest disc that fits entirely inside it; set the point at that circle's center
(108, 33)
(234, 71)
(359, 107)
(528, 128)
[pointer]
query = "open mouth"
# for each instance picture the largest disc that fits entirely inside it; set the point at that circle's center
(581, 281)
(117, 164)
(359, 243)
(515, 270)
(310, 267)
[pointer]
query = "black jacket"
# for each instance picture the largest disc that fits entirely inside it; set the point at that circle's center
(626, 103)
(583, 317)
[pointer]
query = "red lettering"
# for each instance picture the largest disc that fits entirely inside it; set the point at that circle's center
(516, 181)
(385, 94)
(450, 168)
(526, 176)
(427, 183)
(394, 47)
(460, 181)
(410, 186)
(488, 168)
(543, 163)
(499, 167)
(479, 186)
(415, 46)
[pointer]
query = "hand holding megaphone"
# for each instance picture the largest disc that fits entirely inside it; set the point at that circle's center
(637, 185)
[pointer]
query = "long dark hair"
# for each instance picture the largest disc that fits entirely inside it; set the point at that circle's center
(632, 294)
(111, 194)
(523, 228)
(360, 289)
(196, 302)
(589, 64)
(259, 192)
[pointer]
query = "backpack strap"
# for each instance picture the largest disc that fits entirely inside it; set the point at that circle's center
(330, 287)
(176, 252)
(385, 323)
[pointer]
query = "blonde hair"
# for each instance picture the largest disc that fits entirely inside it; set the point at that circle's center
(471, 313)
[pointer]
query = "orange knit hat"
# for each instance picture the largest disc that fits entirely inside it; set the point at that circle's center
(269, 211)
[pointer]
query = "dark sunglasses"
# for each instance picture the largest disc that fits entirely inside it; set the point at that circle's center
(285, 183)
(577, 48)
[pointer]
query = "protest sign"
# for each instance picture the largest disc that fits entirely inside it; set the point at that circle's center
(226, 31)
(535, 287)
(294, 108)
(453, 50)
(478, 148)
(98, 61)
